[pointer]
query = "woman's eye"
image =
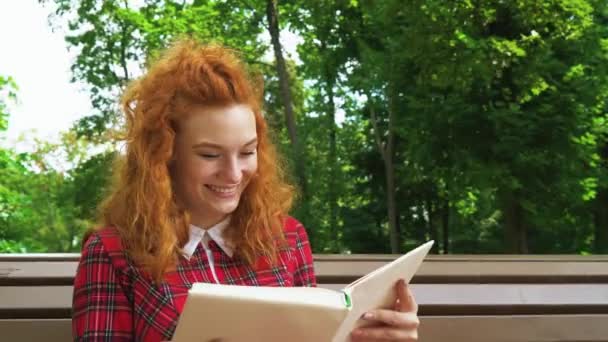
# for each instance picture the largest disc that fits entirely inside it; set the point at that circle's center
(248, 153)
(209, 155)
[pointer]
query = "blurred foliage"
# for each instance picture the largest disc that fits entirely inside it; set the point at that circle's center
(490, 117)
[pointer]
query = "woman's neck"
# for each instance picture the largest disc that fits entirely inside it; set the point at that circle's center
(206, 222)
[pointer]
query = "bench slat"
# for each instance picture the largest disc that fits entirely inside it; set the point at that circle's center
(546, 328)
(360, 257)
(475, 271)
(32, 273)
(433, 299)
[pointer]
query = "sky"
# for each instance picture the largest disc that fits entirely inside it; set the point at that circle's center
(39, 62)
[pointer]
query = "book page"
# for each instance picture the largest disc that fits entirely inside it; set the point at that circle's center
(249, 313)
(377, 289)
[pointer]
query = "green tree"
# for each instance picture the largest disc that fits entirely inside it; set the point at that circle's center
(472, 123)
(115, 39)
(513, 89)
(12, 173)
(42, 201)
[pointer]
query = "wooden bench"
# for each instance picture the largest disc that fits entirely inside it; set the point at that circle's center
(461, 298)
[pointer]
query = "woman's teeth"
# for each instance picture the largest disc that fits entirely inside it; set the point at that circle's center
(224, 190)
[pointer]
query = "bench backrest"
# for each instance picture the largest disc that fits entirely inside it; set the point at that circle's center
(479, 298)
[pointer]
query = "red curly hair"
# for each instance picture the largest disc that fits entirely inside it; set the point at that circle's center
(142, 207)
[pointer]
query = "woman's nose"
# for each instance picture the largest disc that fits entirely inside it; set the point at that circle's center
(232, 172)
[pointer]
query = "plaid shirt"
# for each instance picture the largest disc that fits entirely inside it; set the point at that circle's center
(115, 301)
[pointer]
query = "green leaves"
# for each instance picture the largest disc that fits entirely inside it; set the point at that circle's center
(8, 89)
(495, 111)
(115, 39)
(42, 206)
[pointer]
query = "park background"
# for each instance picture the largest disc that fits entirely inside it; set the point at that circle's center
(480, 124)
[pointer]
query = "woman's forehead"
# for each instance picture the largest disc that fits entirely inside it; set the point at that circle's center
(222, 125)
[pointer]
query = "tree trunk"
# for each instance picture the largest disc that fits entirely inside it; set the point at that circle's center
(515, 229)
(333, 161)
(445, 223)
(330, 114)
(431, 226)
(124, 43)
(387, 153)
(389, 168)
(600, 214)
(290, 119)
(392, 208)
(600, 220)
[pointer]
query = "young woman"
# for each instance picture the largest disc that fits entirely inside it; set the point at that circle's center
(199, 197)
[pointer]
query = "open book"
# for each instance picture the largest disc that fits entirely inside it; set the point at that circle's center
(231, 313)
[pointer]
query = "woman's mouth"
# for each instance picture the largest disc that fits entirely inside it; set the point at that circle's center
(223, 191)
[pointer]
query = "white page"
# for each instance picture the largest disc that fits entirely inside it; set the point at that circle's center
(246, 313)
(377, 289)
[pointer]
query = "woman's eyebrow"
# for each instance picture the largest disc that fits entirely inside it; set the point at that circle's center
(251, 142)
(213, 145)
(206, 144)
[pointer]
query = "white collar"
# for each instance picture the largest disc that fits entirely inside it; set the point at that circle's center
(200, 235)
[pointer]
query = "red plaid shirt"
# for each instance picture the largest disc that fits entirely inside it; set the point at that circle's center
(116, 301)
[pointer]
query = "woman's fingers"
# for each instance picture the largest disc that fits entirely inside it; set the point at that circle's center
(385, 334)
(405, 298)
(408, 320)
(399, 324)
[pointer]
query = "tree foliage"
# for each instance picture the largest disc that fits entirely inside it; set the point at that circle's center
(481, 124)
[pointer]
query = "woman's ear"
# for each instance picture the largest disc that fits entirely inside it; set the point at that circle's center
(171, 160)
(172, 163)
(173, 157)
(171, 166)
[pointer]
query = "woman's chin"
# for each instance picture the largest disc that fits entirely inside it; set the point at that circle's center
(226, 206)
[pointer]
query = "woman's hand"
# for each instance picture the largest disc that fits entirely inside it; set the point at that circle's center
(399, 324)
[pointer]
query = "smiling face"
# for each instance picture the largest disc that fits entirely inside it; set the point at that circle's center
(215, 157)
